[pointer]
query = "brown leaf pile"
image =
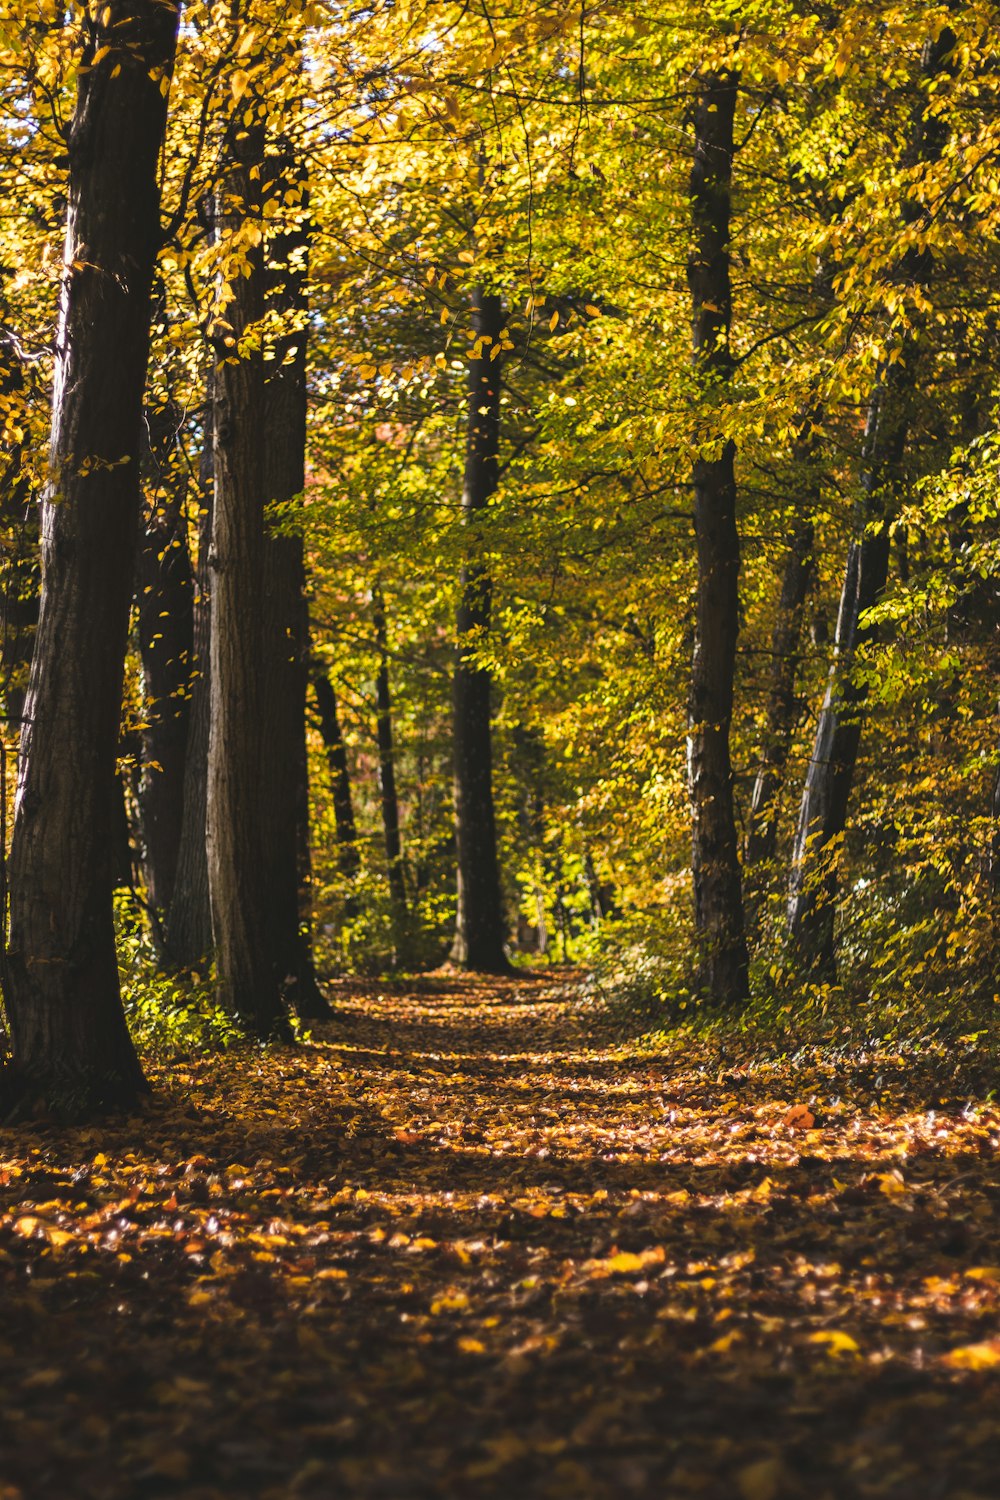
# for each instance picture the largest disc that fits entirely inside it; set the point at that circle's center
(462, 1246)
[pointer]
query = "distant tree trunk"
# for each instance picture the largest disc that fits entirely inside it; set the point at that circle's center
(786, 645)
(994, 855)
(188, 937)
(481, 927)
(284, 788)
(235, 815)
(388, 798)
(19, 596)
(830, 777)
(718, 891)
(166, 642)
(70, 1044)
(348, 857)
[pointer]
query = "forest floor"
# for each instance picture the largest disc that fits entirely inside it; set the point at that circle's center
(464, 1244)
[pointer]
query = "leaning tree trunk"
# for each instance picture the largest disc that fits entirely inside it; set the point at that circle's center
(718, 889)
(388, 798)
(188, 936)
(782, 704)
(166, 643)
(235, 823)
(830, 777)
(70, 1044)
(284, 788)
(481, 924)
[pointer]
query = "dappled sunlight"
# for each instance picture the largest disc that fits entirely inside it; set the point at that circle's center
(425, 1272)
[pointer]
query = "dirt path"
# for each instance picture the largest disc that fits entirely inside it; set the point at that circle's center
(461, 1247)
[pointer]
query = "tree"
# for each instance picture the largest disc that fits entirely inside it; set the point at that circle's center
(165, 610)
(830, 777)
(283, 790)
(480, 924)
(718, 892)
(235, 833)
(70, 1044)
(388, 798)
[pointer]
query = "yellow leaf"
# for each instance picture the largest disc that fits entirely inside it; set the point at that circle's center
(553, 321)
(471, 1346)
(891, 1184)
(238, 84)
(624, 1261)
(723, 1345)
(974, 1356)
(984, 1273)
(836, 1343)
(450, 1302)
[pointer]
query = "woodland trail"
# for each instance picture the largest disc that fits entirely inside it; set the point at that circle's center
(463, 1245)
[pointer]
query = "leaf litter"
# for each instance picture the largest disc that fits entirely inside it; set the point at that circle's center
(465, 1243)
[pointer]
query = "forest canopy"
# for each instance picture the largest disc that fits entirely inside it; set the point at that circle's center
(502, 484)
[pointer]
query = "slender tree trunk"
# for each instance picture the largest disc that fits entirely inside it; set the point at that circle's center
(388, 798)
(166, 643)
(70, 1044)
(830, 776)
(718, 891)
(188, 937)
(348, 857)
(481, 926)
(235, 820)
(284, 788)
(19, 595)
(782, 704)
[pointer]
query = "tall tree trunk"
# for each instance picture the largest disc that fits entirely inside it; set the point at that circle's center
(70, 1044)
(718, 890)
(786, 645)
(235, 821)
(481, 926)
(166, 643)
(826, 797)
(388, 798)
(284, 786)
(188, 936)
(348, 856)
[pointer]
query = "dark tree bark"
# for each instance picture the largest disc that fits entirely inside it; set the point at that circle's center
(481, 926)
(348, 856)
(782, 703)
(388, 799)
(235, 815)
(284, 783)
(822, 823)
(70, 1044)
(188, 936)
(718, 890)
(166, 642)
